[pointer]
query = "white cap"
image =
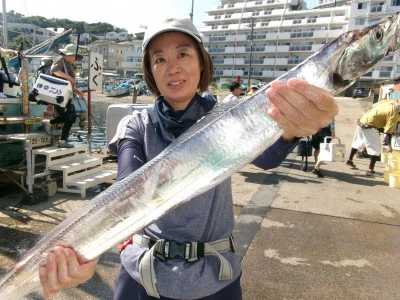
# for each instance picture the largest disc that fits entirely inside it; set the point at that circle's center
(70, 49)
(171, 24)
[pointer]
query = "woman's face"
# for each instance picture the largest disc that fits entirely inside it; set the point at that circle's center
(176, 68)
(70, 58)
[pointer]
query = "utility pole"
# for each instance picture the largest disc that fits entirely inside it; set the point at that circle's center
(5, 30)
(191, 13)
(251, 54)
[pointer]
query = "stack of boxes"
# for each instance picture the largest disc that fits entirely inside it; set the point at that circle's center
(392, 170)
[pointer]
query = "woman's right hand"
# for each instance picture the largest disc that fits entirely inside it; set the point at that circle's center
(64, 269)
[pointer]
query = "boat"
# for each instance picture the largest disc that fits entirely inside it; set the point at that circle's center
(82, 84)
(119, 90)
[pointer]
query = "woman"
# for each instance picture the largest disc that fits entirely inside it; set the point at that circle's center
(63, 67)
(316, 140)
(176, 65)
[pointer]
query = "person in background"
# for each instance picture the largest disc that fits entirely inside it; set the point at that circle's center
(383, 114)
(234, 94)
(176, 65)
(254, 88)
(319, 138)
(63, 67)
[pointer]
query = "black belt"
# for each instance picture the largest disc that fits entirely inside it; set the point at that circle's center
(365, 126)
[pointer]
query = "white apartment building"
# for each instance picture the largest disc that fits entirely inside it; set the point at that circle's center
(113, 55)
(279, 34)
(133, 58)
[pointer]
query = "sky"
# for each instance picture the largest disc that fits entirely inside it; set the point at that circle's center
(128, 14)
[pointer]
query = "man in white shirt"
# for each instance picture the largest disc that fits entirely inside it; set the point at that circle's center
(234, 94)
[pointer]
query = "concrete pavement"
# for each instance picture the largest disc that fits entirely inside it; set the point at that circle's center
(299, 236)
(336, 237)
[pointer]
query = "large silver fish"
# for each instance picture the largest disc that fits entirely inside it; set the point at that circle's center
(198, 160)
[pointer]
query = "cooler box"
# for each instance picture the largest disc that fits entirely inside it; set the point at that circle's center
(52, 90)
(115, 112)
(332, 151)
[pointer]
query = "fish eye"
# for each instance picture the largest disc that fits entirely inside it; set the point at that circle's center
(378, 34)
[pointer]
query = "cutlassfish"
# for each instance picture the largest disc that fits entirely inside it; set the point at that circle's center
(199, 159)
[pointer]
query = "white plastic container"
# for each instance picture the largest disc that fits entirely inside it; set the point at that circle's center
(115, 112)
(393, 164)
(386, 173)
(394, 180)
(384, 157)
(52, 90)
(332, 151)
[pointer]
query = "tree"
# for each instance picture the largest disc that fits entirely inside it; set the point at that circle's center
(16, 42)
(79, 26)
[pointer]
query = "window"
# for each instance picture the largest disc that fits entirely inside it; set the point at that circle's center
(360, 22)
(385, 71)
(312, 20)
(395, 2)
(294, 60)
(376, 7)
(297, 21)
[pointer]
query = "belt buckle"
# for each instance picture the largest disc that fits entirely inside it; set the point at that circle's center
(174, 249)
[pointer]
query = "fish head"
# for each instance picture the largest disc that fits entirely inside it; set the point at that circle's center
(367, 46)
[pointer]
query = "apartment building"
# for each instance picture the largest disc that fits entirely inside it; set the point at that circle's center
(113, 55)
(261, 40)
(133, 58)
(35, 34)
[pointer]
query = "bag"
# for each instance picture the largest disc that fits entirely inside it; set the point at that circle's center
(331, 151)
(304, 148)
(45, 66)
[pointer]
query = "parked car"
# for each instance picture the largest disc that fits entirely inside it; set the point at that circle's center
(360, 93)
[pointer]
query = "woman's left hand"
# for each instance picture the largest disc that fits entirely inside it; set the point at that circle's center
(300, 108)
